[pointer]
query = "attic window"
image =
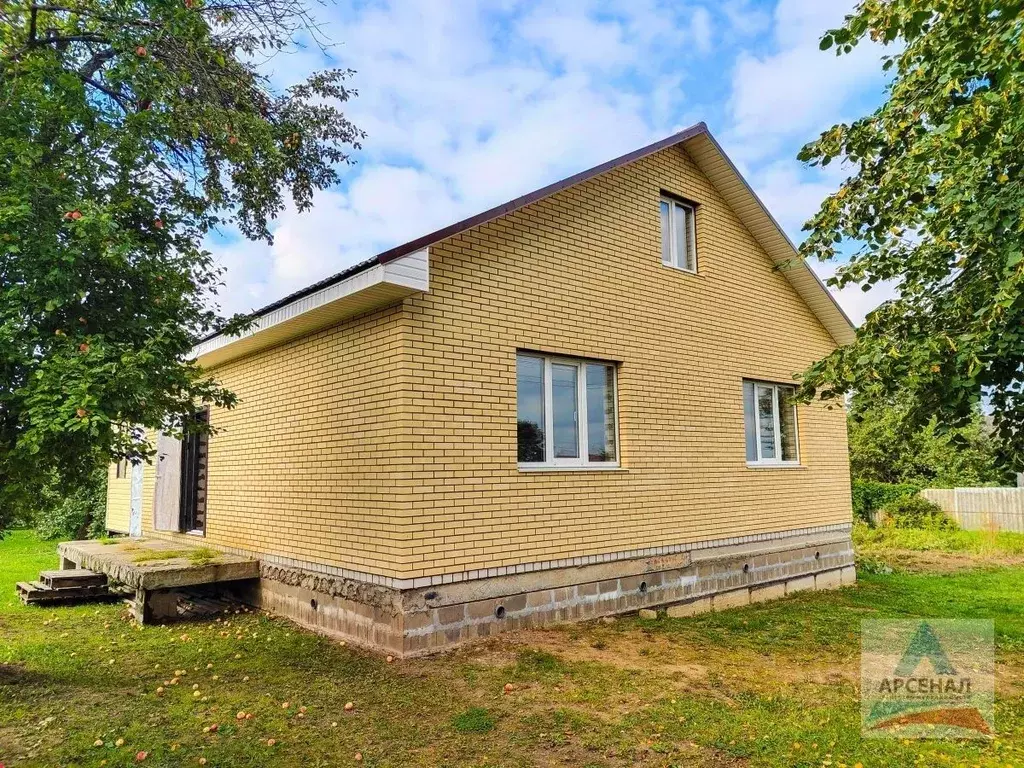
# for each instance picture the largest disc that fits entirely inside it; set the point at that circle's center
(678, 241)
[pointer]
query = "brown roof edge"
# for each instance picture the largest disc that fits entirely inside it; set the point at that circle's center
(538, 194)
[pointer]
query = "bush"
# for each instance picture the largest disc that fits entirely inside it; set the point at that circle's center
(870, 495)
(73, 512)
(916, 512)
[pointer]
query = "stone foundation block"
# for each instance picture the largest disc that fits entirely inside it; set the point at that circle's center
(828, 580)
(734, 599)
(692, 608)
(768, 592)
(848, 575)
(799, 584)
(426, 619)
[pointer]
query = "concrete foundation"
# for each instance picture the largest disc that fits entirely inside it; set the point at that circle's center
(411, 622)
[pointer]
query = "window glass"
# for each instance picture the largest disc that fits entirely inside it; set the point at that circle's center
(689, 257)
(681, 233)
(666, 233)
(564, 411)
(600, 413)
(749, 422)
(530, 405)
(787, 423)
(766, 421)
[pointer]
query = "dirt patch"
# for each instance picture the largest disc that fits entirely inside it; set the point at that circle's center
(683, 754)
(13, 674)
(681, 664)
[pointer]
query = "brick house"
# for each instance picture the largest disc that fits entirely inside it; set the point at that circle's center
(571, 405)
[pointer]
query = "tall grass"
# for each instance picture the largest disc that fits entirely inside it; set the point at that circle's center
(988, 542)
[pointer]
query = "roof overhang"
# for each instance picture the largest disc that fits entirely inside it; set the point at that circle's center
(376, 286)
(740, 197)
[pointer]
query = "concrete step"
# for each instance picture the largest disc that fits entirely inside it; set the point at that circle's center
(78, 577)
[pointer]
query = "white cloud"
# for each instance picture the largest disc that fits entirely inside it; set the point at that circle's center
(468, 103)
(857, 303)
(793, 194)
(576, 40)
(798, 90)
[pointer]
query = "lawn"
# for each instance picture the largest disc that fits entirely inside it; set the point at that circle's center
(772, 684)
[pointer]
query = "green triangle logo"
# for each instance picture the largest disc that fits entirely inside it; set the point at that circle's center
(924, 645)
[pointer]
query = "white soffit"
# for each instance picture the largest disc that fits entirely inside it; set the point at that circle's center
(714, 163)
(374, 287)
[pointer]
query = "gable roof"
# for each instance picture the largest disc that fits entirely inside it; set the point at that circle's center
(709, 156)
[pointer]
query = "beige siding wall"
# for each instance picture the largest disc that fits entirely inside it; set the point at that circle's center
(305, 466)
(119, 493)
(580, 274)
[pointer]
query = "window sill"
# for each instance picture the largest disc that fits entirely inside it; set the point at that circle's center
(693, 272)
(796, 465)
(570, 468)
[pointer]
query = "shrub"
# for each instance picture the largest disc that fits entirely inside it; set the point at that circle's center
(870, 495)
(73, 512)
(916, 512)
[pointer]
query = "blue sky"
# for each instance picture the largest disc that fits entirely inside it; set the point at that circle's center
(469, 103)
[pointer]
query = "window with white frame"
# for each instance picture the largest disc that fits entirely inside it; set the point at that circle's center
(770, 415)
(678, 242)
(565, 412)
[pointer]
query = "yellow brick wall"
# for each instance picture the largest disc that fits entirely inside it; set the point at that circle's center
(305, 465)
(387, 444)
(119, 493)
(580, 274)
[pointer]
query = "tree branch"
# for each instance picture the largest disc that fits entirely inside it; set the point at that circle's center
(32, 26)
(93, 64)
(117, 97)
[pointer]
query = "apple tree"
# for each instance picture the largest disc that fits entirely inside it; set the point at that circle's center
(129, 131)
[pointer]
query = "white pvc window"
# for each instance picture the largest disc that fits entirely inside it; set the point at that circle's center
(771, 424)
(678, 241)
(566, 413)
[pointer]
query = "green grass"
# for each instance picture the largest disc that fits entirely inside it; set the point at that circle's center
(474, 720)
(196, 555)
(768, 685)
(986, 543)
(151, 555)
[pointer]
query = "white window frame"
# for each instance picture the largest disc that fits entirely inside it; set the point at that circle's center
(583, 461)
(778, 461)
(673, 258)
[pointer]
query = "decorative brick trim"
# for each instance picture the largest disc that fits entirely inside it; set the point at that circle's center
(391, 582)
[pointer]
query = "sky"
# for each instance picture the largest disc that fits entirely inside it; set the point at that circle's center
(470, 103)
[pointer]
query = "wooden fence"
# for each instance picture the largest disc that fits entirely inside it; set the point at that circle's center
(981, 509)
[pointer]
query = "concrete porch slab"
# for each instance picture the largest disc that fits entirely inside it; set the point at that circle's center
(155, 564)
